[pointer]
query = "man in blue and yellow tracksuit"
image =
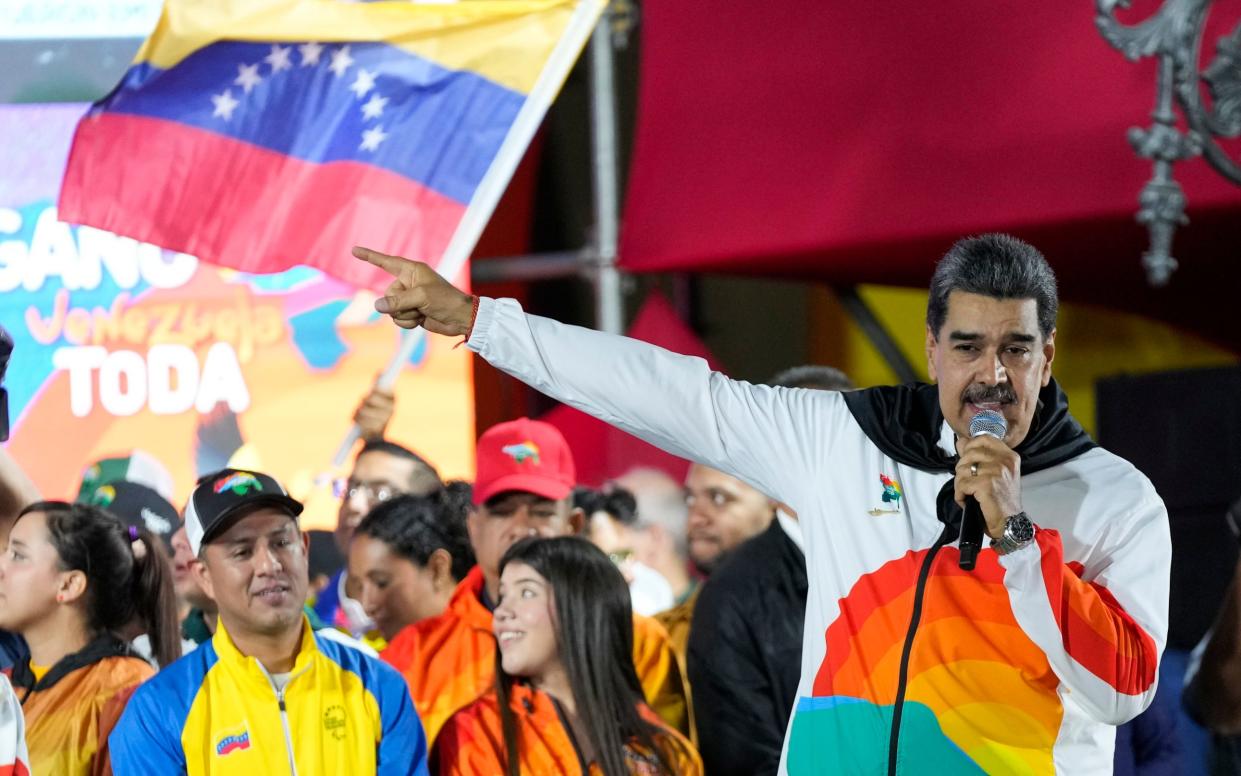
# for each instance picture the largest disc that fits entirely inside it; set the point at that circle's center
(266, 695)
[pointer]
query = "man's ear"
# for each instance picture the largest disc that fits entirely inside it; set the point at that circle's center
(1049, 355)
(577, 521)
(201, 575)
(931, 345)
(473, 524)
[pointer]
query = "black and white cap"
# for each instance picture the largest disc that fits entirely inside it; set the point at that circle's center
(228, 495)
(140, 506)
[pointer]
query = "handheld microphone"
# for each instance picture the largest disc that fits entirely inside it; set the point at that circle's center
(991, 423)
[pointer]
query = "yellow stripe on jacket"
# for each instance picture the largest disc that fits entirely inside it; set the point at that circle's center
(216, 712)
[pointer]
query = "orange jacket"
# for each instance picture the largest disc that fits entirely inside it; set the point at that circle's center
(471, 743)
(450, 660)
(71, 710)
(677, 622)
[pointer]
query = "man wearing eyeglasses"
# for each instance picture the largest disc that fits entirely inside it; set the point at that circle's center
(382, 470)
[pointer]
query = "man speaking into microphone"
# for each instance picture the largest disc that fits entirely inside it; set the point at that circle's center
(914, 660)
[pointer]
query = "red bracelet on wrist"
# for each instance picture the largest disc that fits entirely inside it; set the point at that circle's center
(473, 317)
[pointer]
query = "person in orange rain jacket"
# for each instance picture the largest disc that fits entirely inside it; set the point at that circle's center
(72, 580)
(408, 555)
(525, 476)
(566, 700)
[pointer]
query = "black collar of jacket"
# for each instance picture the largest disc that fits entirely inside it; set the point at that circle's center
(905, 421)
(104, 646)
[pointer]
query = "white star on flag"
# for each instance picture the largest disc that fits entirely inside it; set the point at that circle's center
(363, 84)
(310, 53)
(248, 77)
(225, 104)
(374, 107)
(340, 61)
(279, 58)
(371, 139)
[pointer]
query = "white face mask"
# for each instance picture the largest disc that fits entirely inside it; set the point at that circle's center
(649, 591)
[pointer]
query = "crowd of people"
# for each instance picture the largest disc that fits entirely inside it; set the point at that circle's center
(525, 623)
(519, 623)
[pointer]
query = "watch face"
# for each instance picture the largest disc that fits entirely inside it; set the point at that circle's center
(1020, 529)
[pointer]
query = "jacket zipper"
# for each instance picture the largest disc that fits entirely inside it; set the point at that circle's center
(898, 708)
(288, 735)
(568, 729)
(284, 712)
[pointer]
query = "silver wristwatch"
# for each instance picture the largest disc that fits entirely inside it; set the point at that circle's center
(1018, 532)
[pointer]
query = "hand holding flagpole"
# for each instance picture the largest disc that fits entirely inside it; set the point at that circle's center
(418, 300)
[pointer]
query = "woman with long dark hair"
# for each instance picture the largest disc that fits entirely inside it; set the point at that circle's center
(408, 554)
(567, 699)
(71, 581)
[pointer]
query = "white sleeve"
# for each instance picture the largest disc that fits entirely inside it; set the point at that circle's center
(773, 438)
(1103, 626)
(13, 751)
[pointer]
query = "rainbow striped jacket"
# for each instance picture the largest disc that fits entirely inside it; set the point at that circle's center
(910, 665)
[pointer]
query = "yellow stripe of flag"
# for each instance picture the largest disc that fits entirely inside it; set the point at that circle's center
(505, 41)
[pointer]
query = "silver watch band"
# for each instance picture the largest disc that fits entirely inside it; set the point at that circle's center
(1018, 532)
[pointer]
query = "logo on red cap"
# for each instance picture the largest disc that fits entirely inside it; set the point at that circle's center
(523, 455)
(526, 451)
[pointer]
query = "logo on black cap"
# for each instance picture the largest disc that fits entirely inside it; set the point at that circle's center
(240, 483)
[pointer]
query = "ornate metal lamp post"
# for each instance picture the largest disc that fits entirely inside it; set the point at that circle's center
(1174, 34)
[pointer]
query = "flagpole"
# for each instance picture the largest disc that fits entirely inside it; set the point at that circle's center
(609, 312)
(493, 184)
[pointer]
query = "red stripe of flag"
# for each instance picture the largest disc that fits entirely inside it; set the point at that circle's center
(265, 211)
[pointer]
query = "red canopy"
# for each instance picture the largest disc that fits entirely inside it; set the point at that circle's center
(603, 452)
(853, 142)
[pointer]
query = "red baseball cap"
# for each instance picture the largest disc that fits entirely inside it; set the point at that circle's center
(524, 455)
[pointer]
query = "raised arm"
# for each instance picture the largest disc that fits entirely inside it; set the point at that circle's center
(771, 437)
(16, 492)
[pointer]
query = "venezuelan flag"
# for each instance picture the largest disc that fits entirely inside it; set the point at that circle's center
(261, 134)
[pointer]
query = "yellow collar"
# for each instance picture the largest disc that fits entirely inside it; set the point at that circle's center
(228, 653)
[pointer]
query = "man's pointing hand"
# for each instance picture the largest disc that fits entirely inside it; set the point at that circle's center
(418, 296)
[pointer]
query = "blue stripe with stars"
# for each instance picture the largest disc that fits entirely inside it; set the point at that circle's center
(362, 102)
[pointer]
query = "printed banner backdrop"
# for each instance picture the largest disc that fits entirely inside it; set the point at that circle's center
(121, 346)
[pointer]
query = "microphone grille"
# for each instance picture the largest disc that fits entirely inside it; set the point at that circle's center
(988, 422)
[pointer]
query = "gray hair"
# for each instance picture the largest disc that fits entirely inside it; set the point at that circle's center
(661, 502)
(999, 266)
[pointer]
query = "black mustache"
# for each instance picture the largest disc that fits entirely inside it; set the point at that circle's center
(989, 394)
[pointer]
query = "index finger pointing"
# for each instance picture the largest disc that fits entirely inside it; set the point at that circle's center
(393, 265)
